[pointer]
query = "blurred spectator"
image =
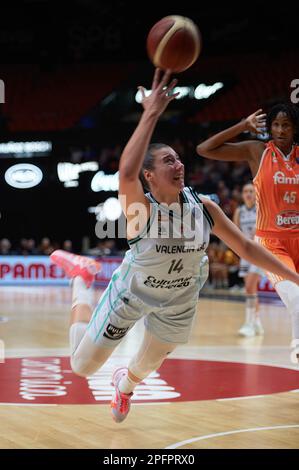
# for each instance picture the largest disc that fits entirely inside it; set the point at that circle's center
(45, 247)
(67, 245)
(179, 147)
(3, 122)
(5, 247)
(224, 197)
(232, 261)
(32, 250)
(27, 247)
(105, 247)
(89, 153)
(196, 177)
(23, 247)
(218, 277)
(110, 247)
(98, 250)
(76, 155)
(237, 196)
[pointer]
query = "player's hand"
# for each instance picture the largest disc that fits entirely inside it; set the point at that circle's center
(256, 122)
(161, 93)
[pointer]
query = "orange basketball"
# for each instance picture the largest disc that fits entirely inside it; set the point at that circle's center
(174, 43)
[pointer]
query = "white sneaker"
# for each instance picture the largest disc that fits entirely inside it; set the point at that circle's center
(259, 330)
(247, 330)
(295, 356)
(295, 352)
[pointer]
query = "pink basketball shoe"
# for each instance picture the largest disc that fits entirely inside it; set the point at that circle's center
(75, 265)
(121, 402)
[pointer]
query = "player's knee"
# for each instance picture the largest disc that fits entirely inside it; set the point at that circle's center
(77, 367)
(82, 367)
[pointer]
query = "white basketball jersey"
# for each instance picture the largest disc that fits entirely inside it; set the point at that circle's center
(247, 220)
(167, 263)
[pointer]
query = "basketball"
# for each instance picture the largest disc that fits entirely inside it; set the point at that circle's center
(174, 43)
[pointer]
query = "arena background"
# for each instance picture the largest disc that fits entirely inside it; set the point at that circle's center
(70, 76)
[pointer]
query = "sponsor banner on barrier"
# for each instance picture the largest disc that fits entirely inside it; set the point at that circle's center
(265, 285)
(39, 270)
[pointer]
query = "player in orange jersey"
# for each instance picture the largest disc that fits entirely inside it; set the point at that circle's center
(275, 171)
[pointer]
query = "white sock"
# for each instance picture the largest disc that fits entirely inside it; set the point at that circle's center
(250, 315)
(76, 333)
(127, 385)
(250, 307)
(80, 293)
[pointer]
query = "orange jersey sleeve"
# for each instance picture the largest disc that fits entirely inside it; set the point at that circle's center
(276, 185)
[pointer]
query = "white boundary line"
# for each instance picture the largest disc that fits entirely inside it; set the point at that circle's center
(134, 403)
(211, 436)
(236, 361)
(31, 404)
(243, 398)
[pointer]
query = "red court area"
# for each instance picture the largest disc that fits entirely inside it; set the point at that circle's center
(49, 380)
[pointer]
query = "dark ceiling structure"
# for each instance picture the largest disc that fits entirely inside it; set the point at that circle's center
(36, 31)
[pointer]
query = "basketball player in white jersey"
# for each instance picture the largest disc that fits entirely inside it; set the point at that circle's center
(160, 277)
(245, 218)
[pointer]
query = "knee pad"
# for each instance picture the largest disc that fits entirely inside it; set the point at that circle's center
(88, 356)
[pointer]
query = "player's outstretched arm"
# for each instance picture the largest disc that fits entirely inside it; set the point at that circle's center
(134, 152)
(218, 146)
(227, 231)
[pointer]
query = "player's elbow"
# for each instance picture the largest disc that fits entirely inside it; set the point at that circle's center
(203, 150)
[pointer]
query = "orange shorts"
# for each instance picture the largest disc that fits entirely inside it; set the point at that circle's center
(285, 249)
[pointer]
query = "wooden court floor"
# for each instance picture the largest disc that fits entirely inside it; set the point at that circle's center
(219, 391)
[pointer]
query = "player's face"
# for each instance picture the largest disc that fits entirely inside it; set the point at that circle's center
(169, 170)
(248, 195)
(282, 131)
